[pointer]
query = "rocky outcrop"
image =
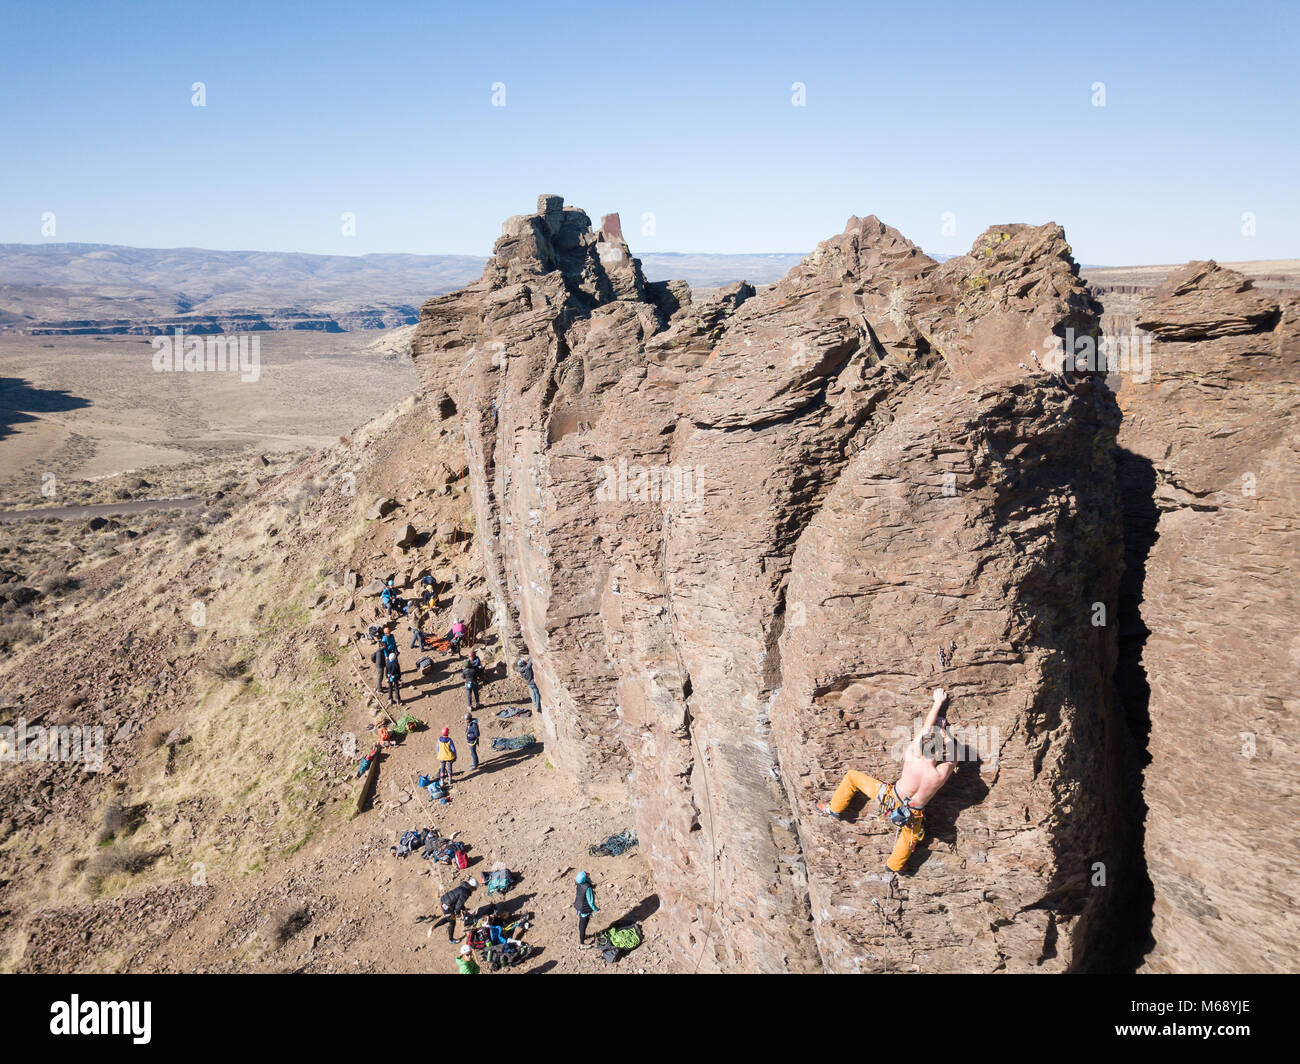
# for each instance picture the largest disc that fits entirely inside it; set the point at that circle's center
(1209, 467)
(736, 533)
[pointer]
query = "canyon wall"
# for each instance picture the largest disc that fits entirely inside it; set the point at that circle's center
(744, 536)
(1209, 467)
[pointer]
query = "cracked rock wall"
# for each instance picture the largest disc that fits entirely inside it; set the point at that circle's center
(735, 532)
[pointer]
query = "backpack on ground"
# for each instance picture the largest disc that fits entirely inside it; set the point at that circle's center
(617, 942)
(499, 881)
(508, 954)
(411, 841)
(462, 862)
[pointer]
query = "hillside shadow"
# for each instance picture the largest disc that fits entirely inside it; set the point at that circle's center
(20, 401)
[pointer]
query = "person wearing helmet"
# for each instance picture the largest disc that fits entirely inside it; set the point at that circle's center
(393, 670)
(585, 905)
(446, 755)
(471, 737)
(453, 903)
(524, 666)
(387, 645)
(457, 635)
(472, 674)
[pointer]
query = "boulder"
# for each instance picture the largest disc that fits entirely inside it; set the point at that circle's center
(381, 508)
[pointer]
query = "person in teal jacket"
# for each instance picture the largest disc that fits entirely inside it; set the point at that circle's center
(584, 904)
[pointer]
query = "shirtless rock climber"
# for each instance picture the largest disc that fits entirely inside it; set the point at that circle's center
(928, 764)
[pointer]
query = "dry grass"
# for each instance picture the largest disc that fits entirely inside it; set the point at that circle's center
(118, 819)
(285, 921)
(124, 861)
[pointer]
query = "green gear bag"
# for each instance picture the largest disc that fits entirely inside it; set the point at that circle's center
(625, 938)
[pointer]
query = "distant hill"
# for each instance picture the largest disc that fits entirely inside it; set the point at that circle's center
(65, 289)
(105, 288)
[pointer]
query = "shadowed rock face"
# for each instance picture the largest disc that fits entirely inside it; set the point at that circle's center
(1210, 459)
(735, 534)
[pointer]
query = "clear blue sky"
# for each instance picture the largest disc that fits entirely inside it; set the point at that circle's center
(684, 110)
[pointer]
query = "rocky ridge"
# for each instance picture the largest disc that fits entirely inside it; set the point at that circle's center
(742, 537)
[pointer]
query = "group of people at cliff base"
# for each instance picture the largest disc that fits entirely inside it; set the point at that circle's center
(455, 904)
(389, 668)
(929, 762)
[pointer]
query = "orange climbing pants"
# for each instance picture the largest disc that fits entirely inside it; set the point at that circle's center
(909, 835)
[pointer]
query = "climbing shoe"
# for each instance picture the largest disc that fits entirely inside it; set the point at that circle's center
(824, 807)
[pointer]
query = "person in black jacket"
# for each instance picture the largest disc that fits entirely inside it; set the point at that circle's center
(473, 676)
(471, 737)
(453, 903)
(393, 670)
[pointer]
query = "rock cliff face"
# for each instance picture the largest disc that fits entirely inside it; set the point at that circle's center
(743, 537)
(1209, 467)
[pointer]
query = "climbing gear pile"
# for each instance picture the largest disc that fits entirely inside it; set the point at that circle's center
(615, 845)
(521, 742)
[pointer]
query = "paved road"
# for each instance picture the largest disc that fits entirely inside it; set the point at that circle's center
(109, 509)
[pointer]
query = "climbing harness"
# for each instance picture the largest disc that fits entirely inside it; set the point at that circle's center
(900, 812)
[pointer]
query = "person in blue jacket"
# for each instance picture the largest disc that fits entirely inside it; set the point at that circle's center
(471, 737)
